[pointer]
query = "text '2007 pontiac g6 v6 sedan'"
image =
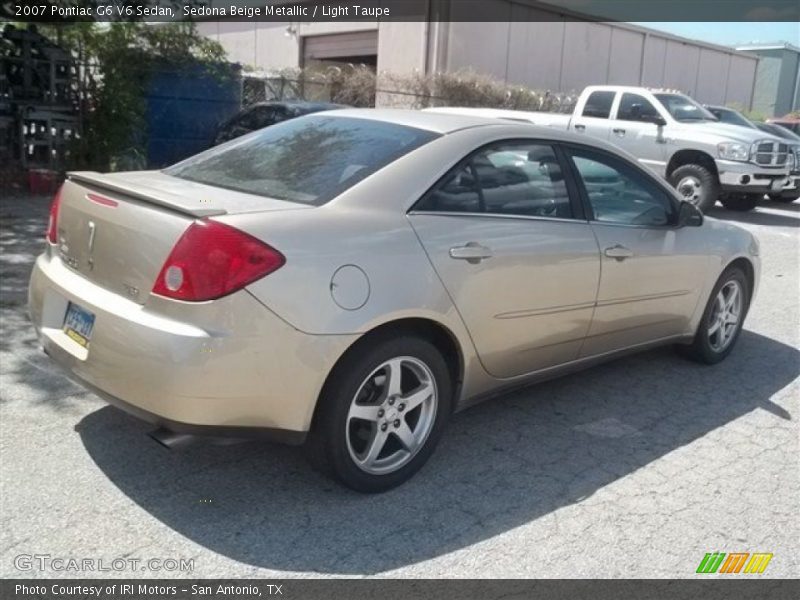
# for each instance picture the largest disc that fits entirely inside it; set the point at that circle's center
(348, 280)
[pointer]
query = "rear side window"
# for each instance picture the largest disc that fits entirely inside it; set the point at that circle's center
(509, 178)
(598, 105)
(309, 160)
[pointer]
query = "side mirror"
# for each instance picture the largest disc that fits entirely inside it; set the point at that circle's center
(658, 120)
(689, 215)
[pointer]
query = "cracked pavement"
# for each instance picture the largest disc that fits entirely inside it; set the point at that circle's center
(635, 468)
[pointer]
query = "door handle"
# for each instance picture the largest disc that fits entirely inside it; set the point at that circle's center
(579, 127)
(618, 251)
(619, 132)
(472, 252)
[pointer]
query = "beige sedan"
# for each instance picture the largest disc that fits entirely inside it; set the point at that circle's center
(348, 280)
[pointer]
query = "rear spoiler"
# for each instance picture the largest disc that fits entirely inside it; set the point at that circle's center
(146, 194)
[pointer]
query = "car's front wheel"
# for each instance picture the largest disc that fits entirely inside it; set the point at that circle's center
(722, 319)
(381, 414)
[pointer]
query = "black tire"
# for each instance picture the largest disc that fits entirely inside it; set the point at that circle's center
(740, 202)
(708, 182)
(701, 349)
(328, 448)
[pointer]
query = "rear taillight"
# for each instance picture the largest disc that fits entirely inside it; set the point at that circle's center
(52, 224)
(212, 260)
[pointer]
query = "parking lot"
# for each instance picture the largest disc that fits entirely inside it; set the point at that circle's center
(636, 468)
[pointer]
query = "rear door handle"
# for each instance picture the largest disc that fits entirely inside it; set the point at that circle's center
(579, 127)
(618, 251)
(619, 132)
(472, 252)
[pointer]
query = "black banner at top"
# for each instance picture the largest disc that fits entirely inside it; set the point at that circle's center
(402, 10)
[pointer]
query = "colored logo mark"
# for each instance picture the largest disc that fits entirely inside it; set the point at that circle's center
(734, 562)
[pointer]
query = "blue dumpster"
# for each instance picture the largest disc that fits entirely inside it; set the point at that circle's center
(184, 108)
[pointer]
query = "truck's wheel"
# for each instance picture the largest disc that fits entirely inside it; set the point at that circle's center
(740, 202)
(697, 185)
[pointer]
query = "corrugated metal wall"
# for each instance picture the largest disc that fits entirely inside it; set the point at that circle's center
(567, 56)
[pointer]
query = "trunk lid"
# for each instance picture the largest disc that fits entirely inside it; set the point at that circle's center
(117, 230)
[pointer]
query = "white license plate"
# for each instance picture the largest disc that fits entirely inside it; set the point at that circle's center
(78, 324)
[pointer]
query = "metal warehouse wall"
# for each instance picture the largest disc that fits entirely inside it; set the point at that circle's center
(545, 54)
(567, 56)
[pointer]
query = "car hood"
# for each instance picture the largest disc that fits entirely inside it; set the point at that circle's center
(727, 132)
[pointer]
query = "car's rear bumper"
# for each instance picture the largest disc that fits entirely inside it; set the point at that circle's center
(230, 364)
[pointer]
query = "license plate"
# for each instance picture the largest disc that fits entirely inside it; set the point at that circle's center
(78, 324)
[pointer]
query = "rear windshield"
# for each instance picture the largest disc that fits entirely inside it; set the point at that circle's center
(310, 160)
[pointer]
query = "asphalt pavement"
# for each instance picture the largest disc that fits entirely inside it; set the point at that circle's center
(635, 468)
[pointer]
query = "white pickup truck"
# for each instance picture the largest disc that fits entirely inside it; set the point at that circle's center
(705, 160)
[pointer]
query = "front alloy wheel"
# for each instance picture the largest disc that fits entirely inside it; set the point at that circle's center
(725, 316)
(722, 319)
(381, 412)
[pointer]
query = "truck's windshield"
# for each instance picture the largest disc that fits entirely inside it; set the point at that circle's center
(684, 109)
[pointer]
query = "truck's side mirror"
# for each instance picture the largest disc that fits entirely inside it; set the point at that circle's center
(658, 120)
(689, 215)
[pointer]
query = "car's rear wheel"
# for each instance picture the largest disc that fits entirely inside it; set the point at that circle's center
(722, 319)
(740, 202)
(381, 413)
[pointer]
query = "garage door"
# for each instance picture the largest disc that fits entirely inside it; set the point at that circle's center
(344, 47)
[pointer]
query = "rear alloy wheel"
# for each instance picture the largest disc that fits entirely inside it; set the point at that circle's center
(696, 184)
(382, 413)
(740, 202)
(722, 320)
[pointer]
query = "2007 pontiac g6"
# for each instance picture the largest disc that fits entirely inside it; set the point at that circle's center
(348, 280)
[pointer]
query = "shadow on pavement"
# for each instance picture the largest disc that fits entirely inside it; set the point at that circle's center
(500, 465)
(760, 217)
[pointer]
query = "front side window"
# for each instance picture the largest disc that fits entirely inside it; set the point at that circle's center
(620, 193)
(633, 107)
(598, 105)
(511, 178)
(309, 160)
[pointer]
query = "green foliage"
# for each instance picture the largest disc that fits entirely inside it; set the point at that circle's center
(358, 85)
(468, 88)
(750, 115)
(115, 63)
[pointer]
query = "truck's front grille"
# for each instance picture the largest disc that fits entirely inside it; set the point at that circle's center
(771, 154)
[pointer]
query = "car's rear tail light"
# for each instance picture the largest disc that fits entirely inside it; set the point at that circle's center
(211, 260)
(52, 224)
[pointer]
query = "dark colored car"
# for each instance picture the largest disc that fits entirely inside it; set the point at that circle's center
(264, 114)
(790, 122)
(730, 116)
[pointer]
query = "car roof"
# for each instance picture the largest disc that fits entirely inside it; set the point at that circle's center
(445, 123)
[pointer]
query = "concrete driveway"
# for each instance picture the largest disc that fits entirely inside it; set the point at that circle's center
(632, 469)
